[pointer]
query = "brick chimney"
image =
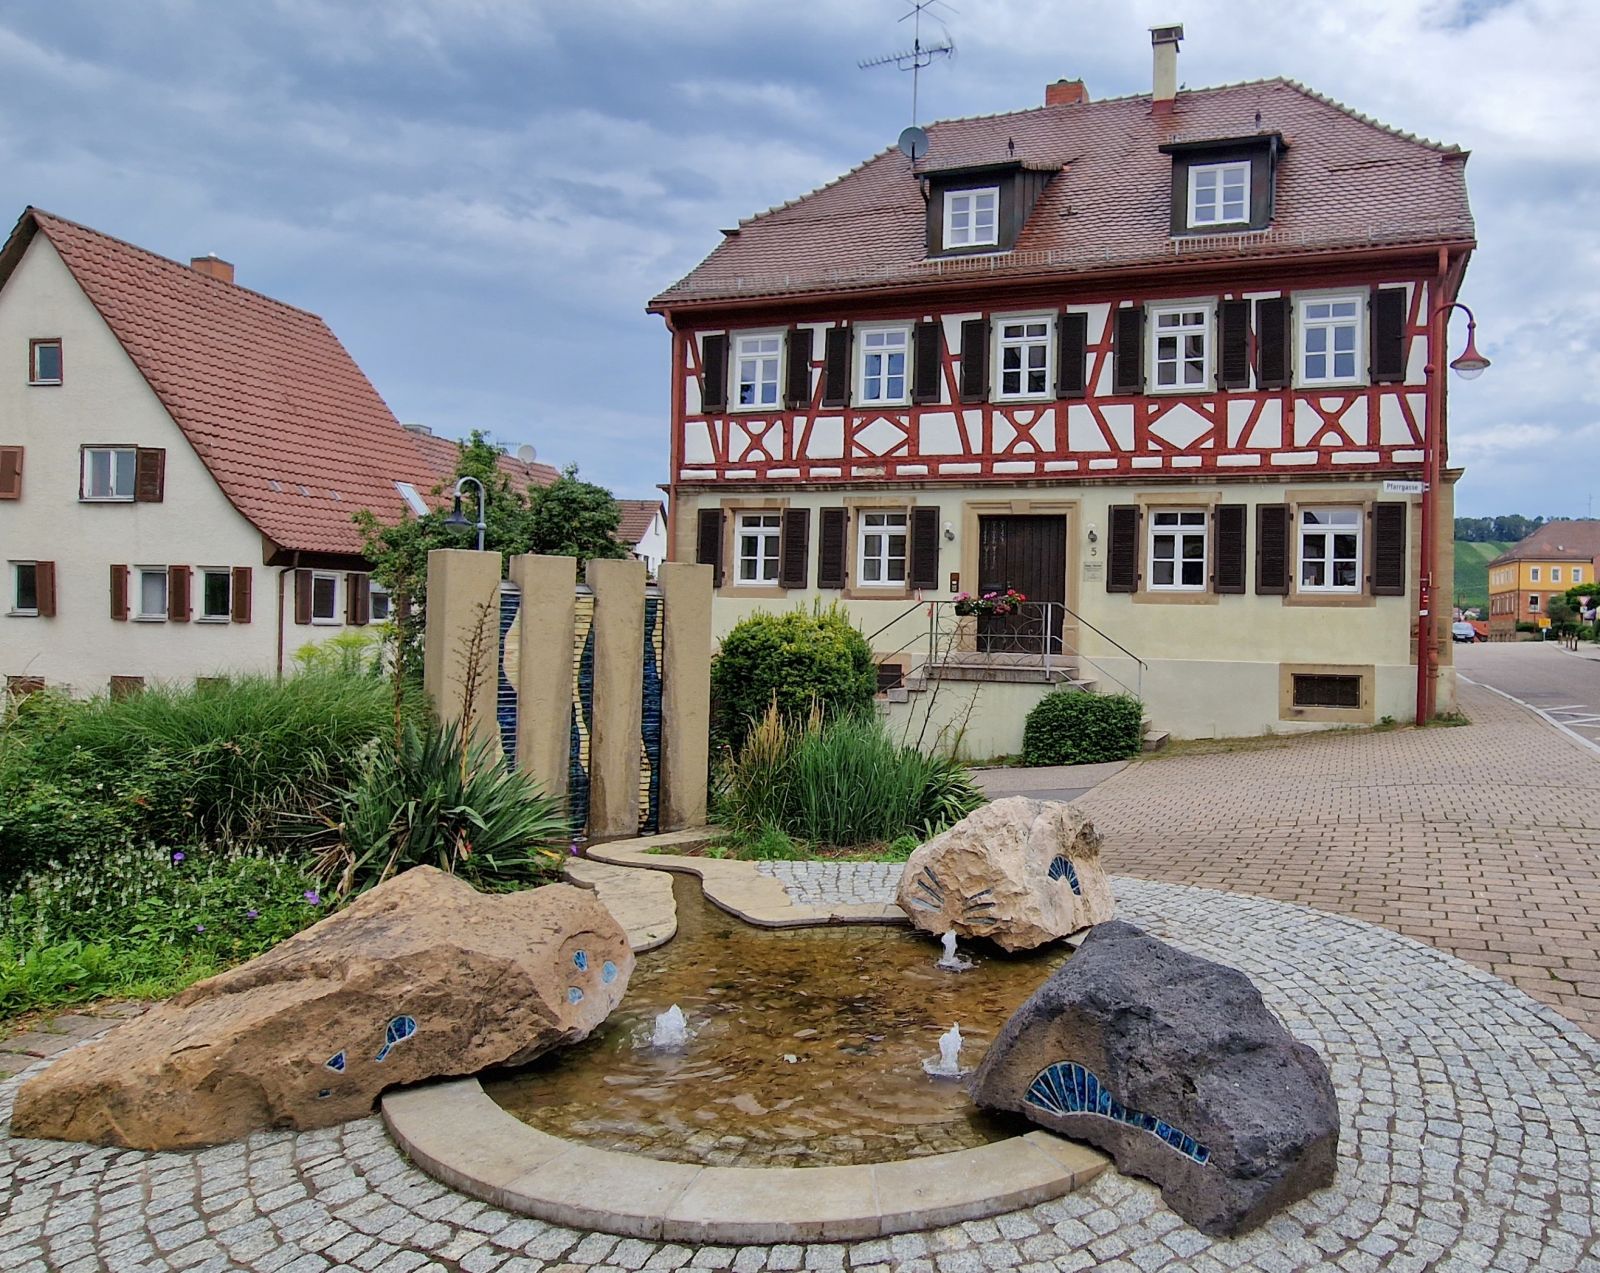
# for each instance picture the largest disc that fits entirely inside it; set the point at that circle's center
(1065, 93)
(213, 265)
(1164, 79)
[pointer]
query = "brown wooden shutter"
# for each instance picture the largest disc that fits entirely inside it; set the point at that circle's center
(178, 606)
(119, 592)
(1072, 358)
(927, 369)
(357, 599)
(1229, 546)
(44, 585)
(243, 577)
(1272, 343)
(150, 475)
(1388, 320)
(302, 596)
(1272, 549)
(714, 372)
(794, 552)
(797, 370)
(832, 529)
(1389, 548)
(10, 472)
(708, 542)
(1122, 549)
(1233, 366)
(1128, 355)
(974, 360)
(924, 564)
(836, 367)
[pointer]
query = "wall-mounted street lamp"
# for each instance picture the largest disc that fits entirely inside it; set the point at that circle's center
(457, 519)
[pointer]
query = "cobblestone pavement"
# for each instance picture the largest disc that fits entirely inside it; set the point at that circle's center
(1470, 1143)
(1480, 840)
(835, 883)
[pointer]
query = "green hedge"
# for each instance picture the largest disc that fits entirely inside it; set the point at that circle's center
(1070, 727)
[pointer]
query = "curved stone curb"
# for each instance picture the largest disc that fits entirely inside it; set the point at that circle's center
(457, 1134)
(640, 901)
(739, 888)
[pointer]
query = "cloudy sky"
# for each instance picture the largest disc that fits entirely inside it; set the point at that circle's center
(481, 195)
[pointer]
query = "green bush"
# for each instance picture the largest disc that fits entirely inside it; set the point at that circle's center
(144, 922)
(841, 781)
(1070, 727)
(797, 659)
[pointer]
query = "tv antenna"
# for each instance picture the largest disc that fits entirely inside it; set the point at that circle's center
(919, 55)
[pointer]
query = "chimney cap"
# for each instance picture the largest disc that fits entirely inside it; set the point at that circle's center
(1167, 34)
(212, 266)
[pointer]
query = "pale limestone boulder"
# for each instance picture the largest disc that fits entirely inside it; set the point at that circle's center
(1020, 872)
(422, 977)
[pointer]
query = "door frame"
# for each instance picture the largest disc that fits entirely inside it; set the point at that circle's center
(971, 510)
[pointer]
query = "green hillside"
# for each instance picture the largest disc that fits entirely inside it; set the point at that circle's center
(1472, 570)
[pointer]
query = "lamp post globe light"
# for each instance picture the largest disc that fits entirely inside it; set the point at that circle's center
(457, 519)
(1469, 365)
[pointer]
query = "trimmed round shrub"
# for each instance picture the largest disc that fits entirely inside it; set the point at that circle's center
(799, 659)
(1071, 727)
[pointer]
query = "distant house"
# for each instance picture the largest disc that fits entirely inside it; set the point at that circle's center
(643, 530)
(1549, 561)
(180, 460)
(440, 454)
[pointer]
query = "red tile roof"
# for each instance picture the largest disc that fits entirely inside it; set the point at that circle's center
(1556, 541)
(1344, 181)
(273, 404)
(637, 514)
(441, 454)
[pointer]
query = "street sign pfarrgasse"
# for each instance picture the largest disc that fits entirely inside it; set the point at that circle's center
(1404, 488)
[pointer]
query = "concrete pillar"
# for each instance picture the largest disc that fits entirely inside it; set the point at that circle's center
(615, 741)
(463, 593)
(543, 657)
(685, 694)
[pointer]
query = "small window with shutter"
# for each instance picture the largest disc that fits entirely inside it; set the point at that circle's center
(216, 594)
(378, 602)
(24, 588)
(150, 593)
(10, 472)
(44, 361)
(883, 543)
(324, 597)
(1329, 345)
(1330, 550)
(757, 544)
(883, 366)
(108, 474)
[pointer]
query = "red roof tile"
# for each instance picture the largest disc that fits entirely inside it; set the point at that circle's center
(273, 404)
(637, 514)
(441, 453)
(1576, 540)
(1344, 181)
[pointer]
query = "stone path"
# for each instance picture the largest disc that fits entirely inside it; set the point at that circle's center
(1480, 840)
(829, 884)
(1470, 1144)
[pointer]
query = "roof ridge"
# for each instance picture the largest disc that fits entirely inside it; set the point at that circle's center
(46, 214)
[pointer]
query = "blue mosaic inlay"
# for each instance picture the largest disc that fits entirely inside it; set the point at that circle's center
(1067, 1088)
(336, 1062)
(398, 1030)
(574, 995)
(650, 720)
(505, 702)
(1062, 868)
(608, 972)
(580, 961)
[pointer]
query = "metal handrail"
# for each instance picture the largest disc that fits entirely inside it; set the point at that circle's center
(1142, 664)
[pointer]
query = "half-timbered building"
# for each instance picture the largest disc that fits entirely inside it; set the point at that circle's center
(1162, 364)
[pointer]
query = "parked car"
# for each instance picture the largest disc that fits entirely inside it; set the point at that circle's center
(1463, 632)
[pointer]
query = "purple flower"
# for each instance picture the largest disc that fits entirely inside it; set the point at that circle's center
(251, 913)
(312, 897)
(199, 928)
(177, 857)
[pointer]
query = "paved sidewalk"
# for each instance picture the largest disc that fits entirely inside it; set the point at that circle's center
(1481, 840)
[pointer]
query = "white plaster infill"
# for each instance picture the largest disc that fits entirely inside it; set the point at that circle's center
(740, 888)
(454, 1132)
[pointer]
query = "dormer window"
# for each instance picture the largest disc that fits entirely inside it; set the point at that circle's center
(1219, 194)
(972, 218)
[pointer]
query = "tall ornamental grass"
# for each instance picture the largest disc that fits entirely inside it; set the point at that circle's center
(840, 781)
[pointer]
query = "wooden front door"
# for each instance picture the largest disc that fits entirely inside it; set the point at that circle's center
(1029, 554)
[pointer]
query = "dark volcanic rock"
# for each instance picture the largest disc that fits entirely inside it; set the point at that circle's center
(1174, 1066)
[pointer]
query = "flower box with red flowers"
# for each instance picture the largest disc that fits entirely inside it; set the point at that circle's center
(990, 603)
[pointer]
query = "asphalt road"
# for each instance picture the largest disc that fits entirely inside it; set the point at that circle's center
(1562, 687)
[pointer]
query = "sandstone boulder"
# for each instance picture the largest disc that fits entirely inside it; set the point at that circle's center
(419, 978)
(1174, 1066)
(1020, 872)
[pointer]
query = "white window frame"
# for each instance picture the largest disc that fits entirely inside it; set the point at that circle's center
(864, 351)
(760, 525)
(1327, 532)
(139, 612)
(204, 573)
(1533, 574)
(1222, 172)
(1577, 574)
(1555, 574)
(85, 463)
(23, 612)
(375, 591)
(875, 525)
(1180, 532)
(740, 339)
(1533, 603)
(1304, 325)
(335, 618)
(972, 197)
(1208, 326)
(1024, 342)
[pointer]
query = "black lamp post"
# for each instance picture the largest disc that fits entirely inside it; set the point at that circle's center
(457, 519)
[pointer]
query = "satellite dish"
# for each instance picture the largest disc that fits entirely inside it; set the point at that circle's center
(913, 143)
(527, 454)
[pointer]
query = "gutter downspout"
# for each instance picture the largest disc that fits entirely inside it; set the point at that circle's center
(283, 575)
